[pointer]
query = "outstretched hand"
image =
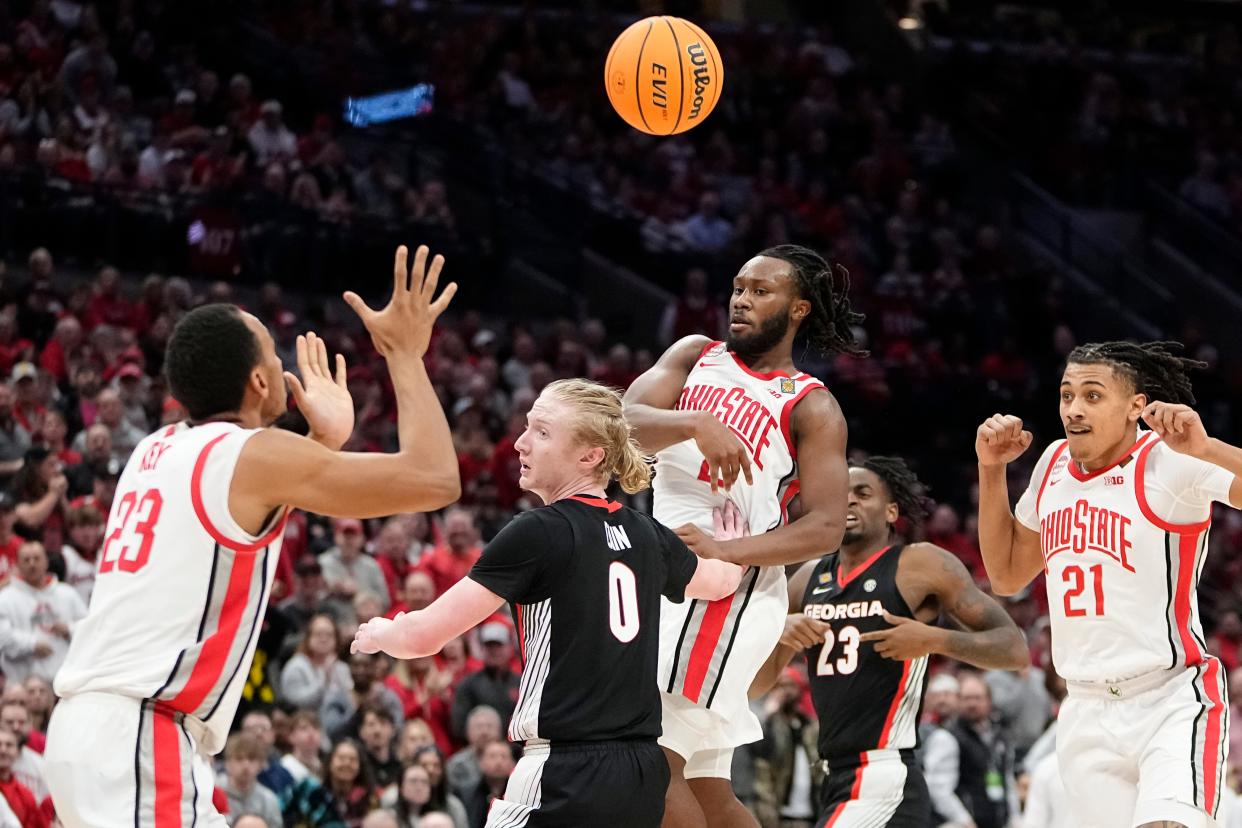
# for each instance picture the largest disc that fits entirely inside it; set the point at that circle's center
(403, 326)
(323, 399)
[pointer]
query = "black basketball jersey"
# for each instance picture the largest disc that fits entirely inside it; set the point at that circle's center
(584, 578)
(864, 701)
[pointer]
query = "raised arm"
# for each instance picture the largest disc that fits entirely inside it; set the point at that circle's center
(819, 434)
(277, 468)
(990, 639)
(651, 399)
(1182, 430)
(1012, 553)
(650, 405)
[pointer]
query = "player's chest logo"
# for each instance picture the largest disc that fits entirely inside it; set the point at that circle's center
(1081, 527)
(845, 609)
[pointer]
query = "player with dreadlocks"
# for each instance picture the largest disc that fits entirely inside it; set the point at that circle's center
(738, 419)
(1117, 518)
(866, 615)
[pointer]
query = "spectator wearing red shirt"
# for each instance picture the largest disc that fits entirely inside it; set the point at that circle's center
(418, 592)
(1227, 640)
(448, 563)
(108, 304)
(55, 431)
(391, 549)
(21, 801)
(426, 692)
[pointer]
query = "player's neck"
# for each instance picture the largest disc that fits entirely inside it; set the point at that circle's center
(1110, 457)
(854, 554)
(578, 486)
(779, 358)
(245, 419)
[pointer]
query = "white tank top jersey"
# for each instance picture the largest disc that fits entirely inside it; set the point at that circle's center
(181, 588)
(698, 638)
(1123, 550)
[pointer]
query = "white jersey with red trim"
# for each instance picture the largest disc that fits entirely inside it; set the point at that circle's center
(181, 588)
(707, 653)
(1123, 550)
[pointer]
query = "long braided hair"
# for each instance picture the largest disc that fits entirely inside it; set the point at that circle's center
(830, 325)
(1155, 369)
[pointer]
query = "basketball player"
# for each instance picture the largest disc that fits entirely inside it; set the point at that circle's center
(718, 413)
(156, 669)
(583, 576)
(867, 614)
(1117, 519)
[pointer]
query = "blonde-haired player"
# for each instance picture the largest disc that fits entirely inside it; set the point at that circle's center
(1117, 519)
(156, 669)
(584, 576)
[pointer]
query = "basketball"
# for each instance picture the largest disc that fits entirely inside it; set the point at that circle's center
(663, 75)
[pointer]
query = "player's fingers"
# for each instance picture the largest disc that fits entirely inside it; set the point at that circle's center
(433, 277)
(718, 523)
(342, 378)
(895, 620)
(1025, 438)
(358, 306)
(713, 474)
(295, 388)
(729, 473)
(400, 271)
(877, 635)
(300, 352)
(1184, 419)
(418, 271)
(321, 352)
(750, 480)
(446, 296)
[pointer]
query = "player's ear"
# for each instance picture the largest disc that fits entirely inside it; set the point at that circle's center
(891, 513)
(800, 309)
(1137, 403)
(592, 457)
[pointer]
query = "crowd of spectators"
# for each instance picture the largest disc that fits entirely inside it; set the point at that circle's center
(808, 146)
(1098, 98)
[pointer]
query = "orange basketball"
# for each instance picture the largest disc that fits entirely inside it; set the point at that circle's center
(663, 75)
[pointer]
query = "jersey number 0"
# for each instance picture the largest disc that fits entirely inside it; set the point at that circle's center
(622, 602)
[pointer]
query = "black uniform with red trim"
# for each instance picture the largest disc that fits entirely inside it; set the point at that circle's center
(584, 577)
(868, 706)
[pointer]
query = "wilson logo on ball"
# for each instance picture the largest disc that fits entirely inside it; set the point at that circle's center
(663, 75)
(698, 58)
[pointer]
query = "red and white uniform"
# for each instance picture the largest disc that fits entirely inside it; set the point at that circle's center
(711, 650)
(1143, 734)
(156, 669)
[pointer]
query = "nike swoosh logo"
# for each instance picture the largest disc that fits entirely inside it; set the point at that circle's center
(819, 590)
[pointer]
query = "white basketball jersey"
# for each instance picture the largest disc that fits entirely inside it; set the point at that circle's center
(181, 588)
(1122, 579)
(699, 648)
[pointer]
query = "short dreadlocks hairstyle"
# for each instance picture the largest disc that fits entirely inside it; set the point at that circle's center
(830, 326)
(1155, 369)
(904, 486)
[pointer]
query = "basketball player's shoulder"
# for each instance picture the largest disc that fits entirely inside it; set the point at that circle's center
(688, 349)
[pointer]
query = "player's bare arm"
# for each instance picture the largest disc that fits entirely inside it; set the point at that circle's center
(277, 468)
(1012, 553)
(1182, 430)
(425, 632)
(649, 408)
(801, 632)
(819, 434)
(933, 576)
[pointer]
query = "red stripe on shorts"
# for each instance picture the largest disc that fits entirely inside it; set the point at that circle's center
(704, 646)
(166, 750)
